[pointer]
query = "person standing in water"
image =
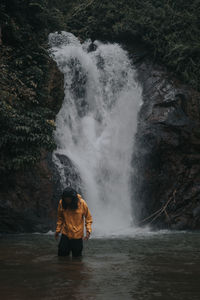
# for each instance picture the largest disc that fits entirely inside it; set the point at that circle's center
(72, 211)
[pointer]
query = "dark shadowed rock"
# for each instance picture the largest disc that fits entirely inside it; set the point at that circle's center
(27, 196)
(167, 160)
(26, 200)
(70, 173)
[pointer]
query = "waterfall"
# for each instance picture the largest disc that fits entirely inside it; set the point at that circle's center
(96, 125)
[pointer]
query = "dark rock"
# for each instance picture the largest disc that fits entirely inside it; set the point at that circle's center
(92, 47)
(166, 160)
(71, 175)
(181, 224)
(26, 200)
(196, 211)
(29, 80)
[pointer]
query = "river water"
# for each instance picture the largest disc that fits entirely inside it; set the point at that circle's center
(146, 266)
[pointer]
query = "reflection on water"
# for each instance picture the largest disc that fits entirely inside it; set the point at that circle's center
(163, 266)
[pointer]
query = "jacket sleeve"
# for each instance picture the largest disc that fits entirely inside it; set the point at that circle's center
(88, 218)
(60, 217)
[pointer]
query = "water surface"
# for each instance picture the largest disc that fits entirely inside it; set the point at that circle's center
(144, 267)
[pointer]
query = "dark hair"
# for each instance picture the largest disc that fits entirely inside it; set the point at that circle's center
(70, 193)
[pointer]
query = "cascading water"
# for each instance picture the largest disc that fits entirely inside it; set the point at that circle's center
(96, 125)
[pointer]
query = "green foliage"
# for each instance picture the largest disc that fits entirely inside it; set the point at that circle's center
(170, 29)
(23, 135)
(27, 20)
(26, 125)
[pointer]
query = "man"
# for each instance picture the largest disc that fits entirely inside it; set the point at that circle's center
(72, 210)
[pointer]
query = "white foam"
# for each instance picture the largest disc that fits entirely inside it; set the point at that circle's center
(96, 125)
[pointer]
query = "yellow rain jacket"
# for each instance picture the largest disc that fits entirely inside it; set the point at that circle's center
(71, 222)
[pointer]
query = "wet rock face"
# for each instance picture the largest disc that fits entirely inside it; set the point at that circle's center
(29, 200)
(26, 200)
(70, 174)
(167, 158)
(28, 196)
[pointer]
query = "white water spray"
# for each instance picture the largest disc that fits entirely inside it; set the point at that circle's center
(96, 125)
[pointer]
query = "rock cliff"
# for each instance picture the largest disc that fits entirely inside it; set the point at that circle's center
(31, 94)
(27, 193)
(167, 157)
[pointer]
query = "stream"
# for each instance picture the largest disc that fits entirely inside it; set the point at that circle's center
(145, 266)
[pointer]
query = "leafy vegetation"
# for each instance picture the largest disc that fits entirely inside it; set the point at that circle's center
(23, 133)
(26, 110)
(170, 29)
